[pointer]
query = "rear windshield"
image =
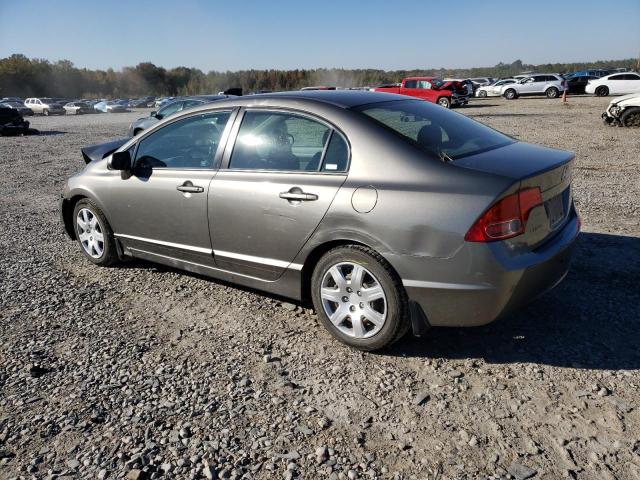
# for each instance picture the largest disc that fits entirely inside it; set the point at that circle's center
(447, 134)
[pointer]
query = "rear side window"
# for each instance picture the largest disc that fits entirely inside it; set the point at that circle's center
(336, 157)
(411, 84)
(435, 129)
(632, 77)
(279, 141)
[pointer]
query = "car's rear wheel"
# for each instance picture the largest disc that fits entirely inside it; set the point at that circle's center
(444, 102)
(510, 94)
(482, 94)
(94, 234)
(552, 92)
(631, 117)
(359, 298)
(602, 91)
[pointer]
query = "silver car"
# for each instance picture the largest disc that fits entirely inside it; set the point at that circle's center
(388, 213)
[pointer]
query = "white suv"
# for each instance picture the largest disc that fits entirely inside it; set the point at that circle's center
(45, 106)
(549, 84)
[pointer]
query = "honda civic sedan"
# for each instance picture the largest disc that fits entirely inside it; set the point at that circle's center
(388, 213)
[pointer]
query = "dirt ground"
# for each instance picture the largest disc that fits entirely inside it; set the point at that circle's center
(146, 372)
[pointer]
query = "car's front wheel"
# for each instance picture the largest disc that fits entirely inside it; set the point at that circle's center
(510, 94)
(45, 112)
(602, 91)
(94, 234)
(631, 117)
(444, 102)
(552, 92)
(359, 298)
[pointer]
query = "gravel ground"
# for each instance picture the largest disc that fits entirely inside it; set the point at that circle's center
(146, 372)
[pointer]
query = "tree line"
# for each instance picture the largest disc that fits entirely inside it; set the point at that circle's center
(31, 77)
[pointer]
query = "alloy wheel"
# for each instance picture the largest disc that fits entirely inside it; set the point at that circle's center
(353, 299)
(90, 233)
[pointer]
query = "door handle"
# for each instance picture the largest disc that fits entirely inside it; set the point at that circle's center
(297, 195)
(189, 187)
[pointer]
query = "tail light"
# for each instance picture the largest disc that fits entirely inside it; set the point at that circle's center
(506, 218)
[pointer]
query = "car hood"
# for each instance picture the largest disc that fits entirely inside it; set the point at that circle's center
(99, 151)
(628, 100)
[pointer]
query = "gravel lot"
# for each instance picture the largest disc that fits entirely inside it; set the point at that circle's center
(146, 372)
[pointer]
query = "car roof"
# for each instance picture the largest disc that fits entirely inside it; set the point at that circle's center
(338, 98)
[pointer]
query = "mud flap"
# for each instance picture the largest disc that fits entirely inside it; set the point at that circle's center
(419, 323)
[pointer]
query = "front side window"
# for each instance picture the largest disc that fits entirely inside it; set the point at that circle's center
(617, 77)
(279, 141)
(424, 84)
(435, 130)
(188, 143)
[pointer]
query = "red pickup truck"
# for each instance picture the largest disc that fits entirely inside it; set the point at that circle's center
(431, 89)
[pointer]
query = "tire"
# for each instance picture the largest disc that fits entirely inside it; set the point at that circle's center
(631, 117)
(602, 91)
(552, 92)
(510, 94)
(388, 306)
(444, 102)
(96, 224)
(45, 112)
(482, 94)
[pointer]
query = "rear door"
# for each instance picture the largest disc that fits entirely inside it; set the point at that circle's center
(282, 172)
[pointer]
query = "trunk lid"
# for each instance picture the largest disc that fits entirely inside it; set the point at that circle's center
(532, 166)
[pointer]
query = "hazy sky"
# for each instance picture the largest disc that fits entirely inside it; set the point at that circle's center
(286, 34)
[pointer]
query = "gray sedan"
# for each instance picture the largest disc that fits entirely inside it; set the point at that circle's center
(389, 214)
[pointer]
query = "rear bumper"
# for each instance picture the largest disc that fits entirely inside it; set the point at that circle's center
(503, 284)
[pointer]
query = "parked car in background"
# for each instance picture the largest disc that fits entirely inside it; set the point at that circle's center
(24, 111)
(160, 102)
(495, 89)
(588, 73)
(325, 218)
(624, 111)
(44, 106)
(170, 108)
(109, 107)
(615, 84)
(12, 99)
(431, 89)
(551, 85)
(482, 81)
(78, 108)
(576, 84)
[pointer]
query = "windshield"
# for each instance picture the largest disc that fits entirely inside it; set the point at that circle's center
(436, 82)
(447, 134)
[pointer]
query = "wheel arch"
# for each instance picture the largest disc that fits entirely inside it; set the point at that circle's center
(69, 203)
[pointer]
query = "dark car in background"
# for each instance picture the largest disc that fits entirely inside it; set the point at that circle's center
(11, 122)
(19, 106)
(576, 84)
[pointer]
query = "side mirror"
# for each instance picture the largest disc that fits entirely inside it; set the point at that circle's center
(120, 161)
(153, 114)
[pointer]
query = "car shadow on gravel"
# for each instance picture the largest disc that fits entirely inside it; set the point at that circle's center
(591, 320)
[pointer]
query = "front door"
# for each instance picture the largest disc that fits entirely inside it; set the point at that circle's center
(282, 173)
(161, 208)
